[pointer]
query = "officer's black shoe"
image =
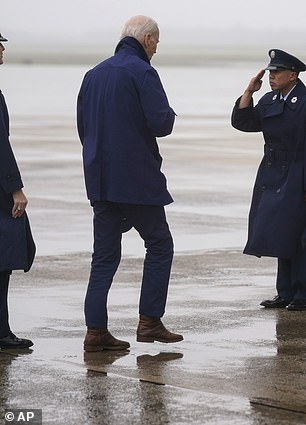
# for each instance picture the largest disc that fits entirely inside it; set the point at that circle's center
(297, 305)
(12, 341)
(276, 302)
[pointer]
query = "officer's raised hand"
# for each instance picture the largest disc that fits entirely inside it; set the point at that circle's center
(253, 86)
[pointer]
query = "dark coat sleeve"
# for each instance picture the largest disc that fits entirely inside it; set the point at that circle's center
(246, 119)
(10, 179)
(159, 115)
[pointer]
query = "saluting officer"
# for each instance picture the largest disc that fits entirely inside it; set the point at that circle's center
(277, 216)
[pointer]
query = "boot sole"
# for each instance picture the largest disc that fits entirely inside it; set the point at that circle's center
(93, 348)
(16, 347)
(273, 306)
(166, 341)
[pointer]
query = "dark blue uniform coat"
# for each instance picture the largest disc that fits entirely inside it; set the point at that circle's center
(278, 210)
(118, 132)
(17, 248)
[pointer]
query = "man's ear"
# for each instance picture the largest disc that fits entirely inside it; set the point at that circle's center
(294, 76)
(147, 40)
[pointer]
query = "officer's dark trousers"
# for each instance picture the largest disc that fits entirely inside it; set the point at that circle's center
(150, 222)
(291, 276)
(4, 316)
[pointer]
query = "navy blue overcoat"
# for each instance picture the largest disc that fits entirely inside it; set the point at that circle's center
(121, 109)
(17, 248)
(277, 216)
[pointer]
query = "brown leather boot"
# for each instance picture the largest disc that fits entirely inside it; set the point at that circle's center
(101, 339)
(151, 329)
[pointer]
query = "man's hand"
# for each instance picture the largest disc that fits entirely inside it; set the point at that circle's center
(20, 203)
(253, 86)
(256, 82)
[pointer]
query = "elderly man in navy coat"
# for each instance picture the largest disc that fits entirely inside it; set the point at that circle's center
(122, 108)
(277, 220)
(17, 248)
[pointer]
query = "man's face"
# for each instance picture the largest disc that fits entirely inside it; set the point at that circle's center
(150, 44)
(2, 48)
(282, 80)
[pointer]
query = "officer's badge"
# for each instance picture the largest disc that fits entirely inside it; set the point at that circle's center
(294, 99)
(274, 97)
(272, 54)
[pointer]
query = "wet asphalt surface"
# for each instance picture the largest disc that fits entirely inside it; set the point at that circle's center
(238, 363)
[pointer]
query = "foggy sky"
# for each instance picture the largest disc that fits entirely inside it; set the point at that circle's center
(180, 21)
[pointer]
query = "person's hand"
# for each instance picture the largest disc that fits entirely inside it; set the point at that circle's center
(254, 85)
(256, 82)
(20, 203)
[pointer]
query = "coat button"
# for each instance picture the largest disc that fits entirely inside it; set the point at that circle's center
(263, 188)
(269, 163)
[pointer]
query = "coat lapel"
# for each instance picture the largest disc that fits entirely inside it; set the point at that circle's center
(275, 106)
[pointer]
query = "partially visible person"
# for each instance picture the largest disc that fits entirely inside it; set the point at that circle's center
(17, 248)
(122, 108)
(277, 220)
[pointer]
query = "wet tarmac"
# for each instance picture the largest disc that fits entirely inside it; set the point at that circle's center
(238, 364)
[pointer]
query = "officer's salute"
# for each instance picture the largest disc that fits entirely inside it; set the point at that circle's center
(277, 220)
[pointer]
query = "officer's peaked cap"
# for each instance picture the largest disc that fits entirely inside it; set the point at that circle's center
(283, 60)
(2, 38)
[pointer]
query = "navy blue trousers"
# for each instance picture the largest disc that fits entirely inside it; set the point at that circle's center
(291, 276)
(4, 315)
(151, 224)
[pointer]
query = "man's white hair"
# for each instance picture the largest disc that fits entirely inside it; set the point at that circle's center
(138, 26)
